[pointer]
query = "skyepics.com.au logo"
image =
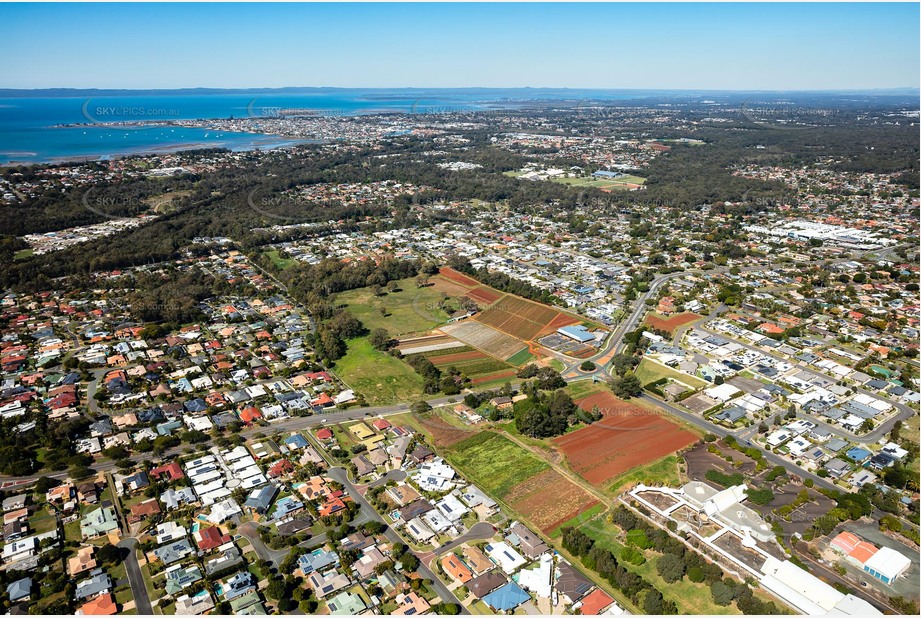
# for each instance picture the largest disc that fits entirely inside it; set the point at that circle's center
(770, 200)
(785, 116)
(117, 207)
(265, 110)
(442, 108)
(126, 117)
(290, 209)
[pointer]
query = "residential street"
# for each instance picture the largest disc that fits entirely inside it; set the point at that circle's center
(135, 578)
(341, 475)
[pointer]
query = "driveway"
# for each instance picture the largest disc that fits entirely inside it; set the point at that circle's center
(393, 475)
(480, 531)
(135, 578)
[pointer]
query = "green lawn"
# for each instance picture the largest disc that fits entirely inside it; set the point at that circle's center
(381, 378)
(409, 310)
(910, 429)
(72, 531)
(661, 472)
(578, 519)
(22, 254)
(494, 463)
(650, 371)
(42, 521)
(584, 388)
(521, 357)
(280, 263)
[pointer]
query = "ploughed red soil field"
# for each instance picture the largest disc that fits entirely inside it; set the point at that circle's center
(457, 357)
(484, 295)
(549, 500)
(671, 323)
(627, 436)
(459, 277)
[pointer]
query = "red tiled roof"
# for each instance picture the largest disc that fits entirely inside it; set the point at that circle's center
(211, 537)
(595, 602)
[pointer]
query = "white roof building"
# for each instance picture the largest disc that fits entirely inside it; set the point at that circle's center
(886, 564)
(538, 580)
(807, 593)
(722, 392)
(505, 556)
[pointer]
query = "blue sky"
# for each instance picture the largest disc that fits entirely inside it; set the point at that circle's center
(671, 46)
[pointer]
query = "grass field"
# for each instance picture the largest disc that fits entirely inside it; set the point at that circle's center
(409, 310)
(661, 472)
(691, 598)
(381, 378)
(584, 388)
(521, 358)
(494, 462)
(280, 262)
(615, 183)
(576, 521)
(649, 371)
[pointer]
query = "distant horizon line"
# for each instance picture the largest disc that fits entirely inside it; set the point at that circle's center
(192, 89)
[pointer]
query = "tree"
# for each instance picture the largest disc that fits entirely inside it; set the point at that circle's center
(446, 609)
(108, 554)
(45, 483)
(670, 567)
(276, 589)
(622, 363)
(409, 562)
(696, 574)
(380, 338)
(421, 407)
(653, 602)
(627, 387)
(722, 594)
(587, 366)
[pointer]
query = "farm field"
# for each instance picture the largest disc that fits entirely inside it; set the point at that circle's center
(670, 323)
(480, 367)
(458, 277)
(628, 436)
(649, 371)
(489, 340)
(411, 309)
(430, 344)
(519, 478)
(623, 182)
(523, 319)
(495, 462)
(380, 378)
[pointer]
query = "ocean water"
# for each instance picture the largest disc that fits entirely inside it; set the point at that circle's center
(49, 129)
(68, 128)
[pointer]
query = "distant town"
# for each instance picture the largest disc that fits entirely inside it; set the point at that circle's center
(584, 360)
